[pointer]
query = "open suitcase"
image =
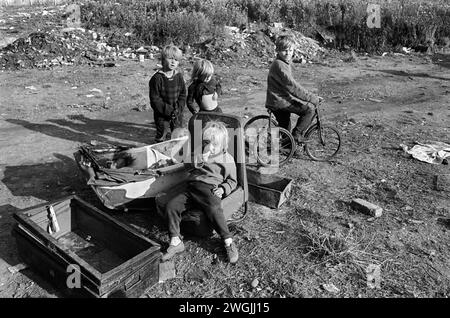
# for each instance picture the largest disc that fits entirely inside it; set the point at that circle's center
(85, 252)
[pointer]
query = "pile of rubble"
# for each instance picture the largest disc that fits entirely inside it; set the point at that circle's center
(52, 45)
(257, 42)
(68, 46)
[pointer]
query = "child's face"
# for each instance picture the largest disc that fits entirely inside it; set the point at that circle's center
(286, 54)
(211, 147)
(170, 63)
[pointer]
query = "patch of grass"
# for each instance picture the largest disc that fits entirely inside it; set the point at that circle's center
(333, 248)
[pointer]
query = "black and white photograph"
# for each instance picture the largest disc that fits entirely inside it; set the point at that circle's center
(224, 156)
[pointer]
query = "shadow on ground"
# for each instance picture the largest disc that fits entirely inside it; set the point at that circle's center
(80, 128)
(408, 74)
(45, 181)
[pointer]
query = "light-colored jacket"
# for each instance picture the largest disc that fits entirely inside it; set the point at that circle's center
(283, 90)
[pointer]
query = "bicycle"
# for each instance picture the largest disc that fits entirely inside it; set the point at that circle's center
(273, 145)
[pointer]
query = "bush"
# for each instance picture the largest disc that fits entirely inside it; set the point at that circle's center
(225, 12)
(404, 23)
(179, 27)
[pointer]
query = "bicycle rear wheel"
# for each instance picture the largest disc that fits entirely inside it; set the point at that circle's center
(274, 147)
(322, 144)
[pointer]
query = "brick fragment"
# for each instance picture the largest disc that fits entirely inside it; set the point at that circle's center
(442, 182)
(367, 207)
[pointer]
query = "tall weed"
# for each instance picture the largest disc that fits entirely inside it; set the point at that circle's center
(403, 23)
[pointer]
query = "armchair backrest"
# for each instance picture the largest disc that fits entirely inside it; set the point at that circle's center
(236, 146)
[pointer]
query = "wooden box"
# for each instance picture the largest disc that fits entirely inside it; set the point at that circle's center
(268, 189)
(90, 254)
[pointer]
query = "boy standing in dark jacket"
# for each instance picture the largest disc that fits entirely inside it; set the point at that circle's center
(167, 94)
(285, 95)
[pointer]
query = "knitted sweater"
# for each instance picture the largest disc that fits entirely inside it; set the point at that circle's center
(218, 170)
(283, 90)
(167, 95)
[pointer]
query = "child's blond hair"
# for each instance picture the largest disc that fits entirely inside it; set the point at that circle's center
(171, 51)
(217, 133)
(285, 42)
(202, 71)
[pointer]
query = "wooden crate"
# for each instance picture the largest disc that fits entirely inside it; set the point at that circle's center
(268, 189)
(113, 259)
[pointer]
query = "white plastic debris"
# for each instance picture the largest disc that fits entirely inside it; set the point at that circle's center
(330, 288)
(17, 268)
(373, 276)
(255, 283)
(406, 50)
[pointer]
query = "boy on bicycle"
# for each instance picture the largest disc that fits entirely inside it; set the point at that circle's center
(285, 95)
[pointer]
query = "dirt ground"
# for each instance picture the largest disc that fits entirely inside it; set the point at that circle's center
(377, 102)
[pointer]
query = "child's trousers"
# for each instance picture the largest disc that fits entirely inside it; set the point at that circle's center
(165, 126)
(198, 195)
(305, 113)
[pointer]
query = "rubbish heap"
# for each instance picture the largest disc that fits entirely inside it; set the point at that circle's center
(256, 43)
(53, 44)
(306, 48)
(68, 46)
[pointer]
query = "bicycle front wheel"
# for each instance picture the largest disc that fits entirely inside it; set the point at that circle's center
(259, 122)
(322, 143)
(251, 130)
(274, 147)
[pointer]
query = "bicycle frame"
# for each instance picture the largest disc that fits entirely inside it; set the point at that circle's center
(318, 123)
(316, 117)
(309, 142)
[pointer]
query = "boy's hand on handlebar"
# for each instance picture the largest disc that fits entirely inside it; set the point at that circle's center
(316, 100)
